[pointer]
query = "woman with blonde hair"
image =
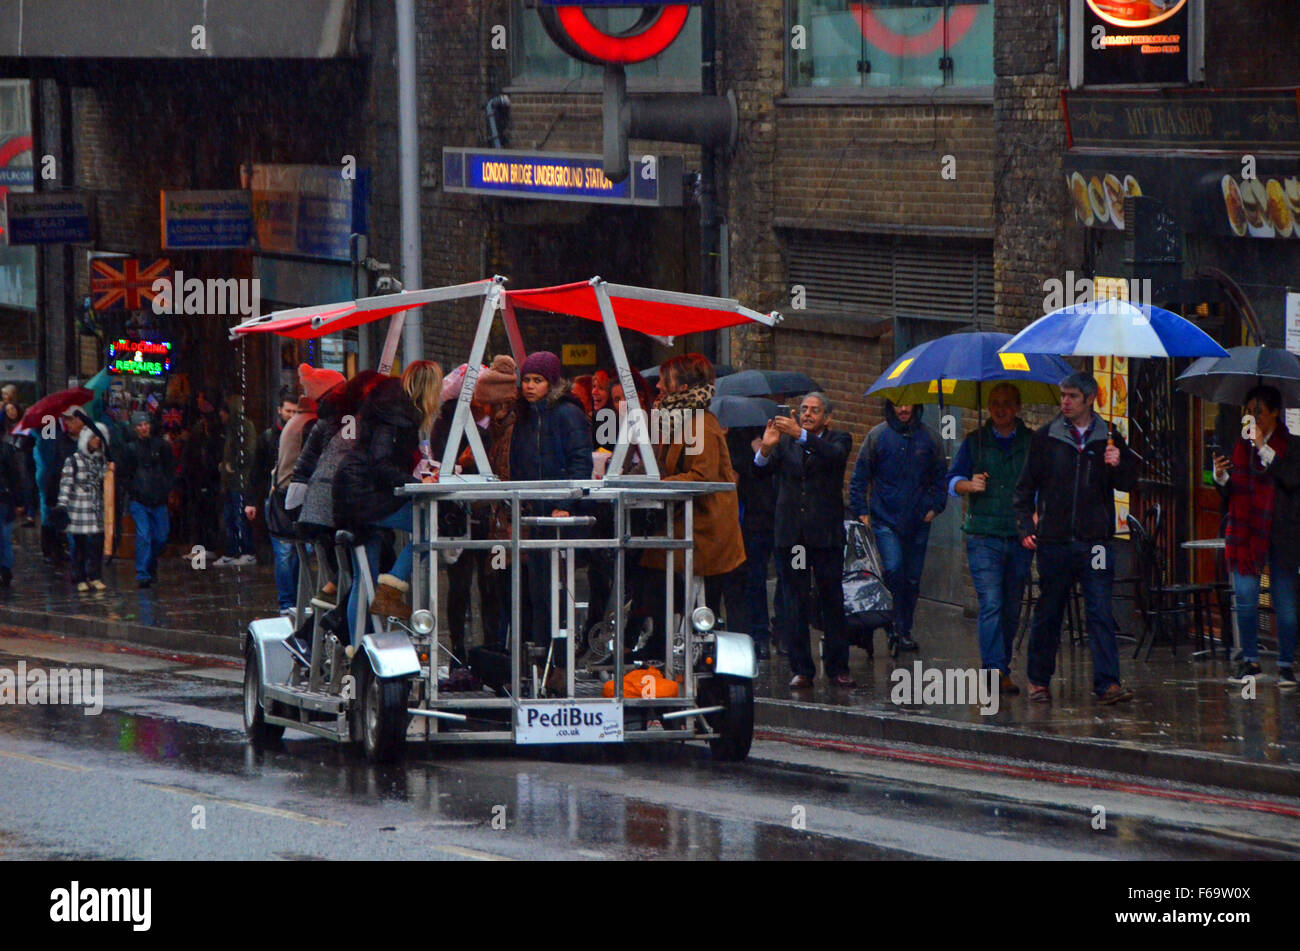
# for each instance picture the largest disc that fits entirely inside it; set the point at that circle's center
(395, 417)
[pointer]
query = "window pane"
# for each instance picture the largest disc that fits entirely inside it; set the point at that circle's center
(904, 41)
(833, 41)
(537, 59)
(970, 43)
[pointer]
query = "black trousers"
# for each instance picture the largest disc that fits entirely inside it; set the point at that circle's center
(87, 556)
(827, 567)
(460, 581)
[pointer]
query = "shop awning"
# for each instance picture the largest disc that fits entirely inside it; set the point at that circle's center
(643, 309)
(305, 323)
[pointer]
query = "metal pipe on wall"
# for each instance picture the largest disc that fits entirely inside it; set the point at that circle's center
(409, 174)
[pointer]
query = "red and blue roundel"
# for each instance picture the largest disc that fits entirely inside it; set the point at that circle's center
(567, 24)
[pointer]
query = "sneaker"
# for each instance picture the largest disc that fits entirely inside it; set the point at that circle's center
(225, 561)
(1246, 670)
(83, 587)
(906, 643)
(99, 585)
(1286, 678)
(1039, 694)
(1115, 693)
(844, 680)
(800, 682)
(246, 560)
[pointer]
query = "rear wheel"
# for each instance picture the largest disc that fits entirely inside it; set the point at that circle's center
(255, 725)
(734, 724)
(383, 714)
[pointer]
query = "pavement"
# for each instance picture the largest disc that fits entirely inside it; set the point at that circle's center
(1185, 724)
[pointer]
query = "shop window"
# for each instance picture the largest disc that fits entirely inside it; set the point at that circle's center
(17, 264)
(889, 44)
(537, 61)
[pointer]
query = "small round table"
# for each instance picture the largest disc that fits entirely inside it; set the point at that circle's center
(1216, 544)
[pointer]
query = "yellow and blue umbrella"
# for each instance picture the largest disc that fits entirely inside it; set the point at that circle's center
(960, 369)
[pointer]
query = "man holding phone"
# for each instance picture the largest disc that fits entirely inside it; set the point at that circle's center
(985, 471)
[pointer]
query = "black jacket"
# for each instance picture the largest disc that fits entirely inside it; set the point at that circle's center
(757, 495)
(552, 440)
(13, 477)
(810, 494)
(1072, 491)
(268, 450)
(382, 459)
(148, 470)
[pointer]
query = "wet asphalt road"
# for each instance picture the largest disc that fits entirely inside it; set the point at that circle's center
(165, 772)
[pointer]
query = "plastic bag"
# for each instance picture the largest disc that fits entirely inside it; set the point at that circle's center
(865, 594)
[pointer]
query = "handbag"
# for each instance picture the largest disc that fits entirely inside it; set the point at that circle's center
(281, 522)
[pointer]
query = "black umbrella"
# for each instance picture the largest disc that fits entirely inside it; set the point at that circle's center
(740, 411)
(765, 382)
(719, 370)
(1228, 379)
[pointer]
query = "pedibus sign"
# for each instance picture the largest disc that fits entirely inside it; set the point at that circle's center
(571, 29)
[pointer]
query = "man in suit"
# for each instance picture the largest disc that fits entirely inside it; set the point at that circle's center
(809, 458)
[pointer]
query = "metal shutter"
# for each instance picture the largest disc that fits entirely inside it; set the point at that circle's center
(893, 276)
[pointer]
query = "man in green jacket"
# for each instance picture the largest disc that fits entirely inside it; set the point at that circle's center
(985, 471)
(237, 459)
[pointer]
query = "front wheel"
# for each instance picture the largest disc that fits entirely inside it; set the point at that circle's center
(255, 725)
(383, 714)
(734, 724)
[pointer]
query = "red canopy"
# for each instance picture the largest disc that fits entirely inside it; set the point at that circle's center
(654, 312)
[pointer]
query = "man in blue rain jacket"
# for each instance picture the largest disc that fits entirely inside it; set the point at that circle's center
(897, 490)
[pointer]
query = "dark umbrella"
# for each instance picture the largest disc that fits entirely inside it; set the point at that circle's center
(54, 405)
(719, 370)
(1228, 379)
(740, 411)
(765, 382)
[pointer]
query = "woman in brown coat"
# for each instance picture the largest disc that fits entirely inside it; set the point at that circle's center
(698, 452)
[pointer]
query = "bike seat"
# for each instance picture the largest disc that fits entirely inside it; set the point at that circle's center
(356, 536)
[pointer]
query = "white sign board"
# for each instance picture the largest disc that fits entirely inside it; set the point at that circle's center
(1292, 317)
(569, 721)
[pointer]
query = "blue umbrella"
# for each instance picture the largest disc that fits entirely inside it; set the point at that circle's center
(1113, 327)
(960, 369)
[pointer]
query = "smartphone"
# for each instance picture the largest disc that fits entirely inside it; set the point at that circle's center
(783, 410)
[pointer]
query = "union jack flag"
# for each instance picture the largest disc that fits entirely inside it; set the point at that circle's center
(129, 288)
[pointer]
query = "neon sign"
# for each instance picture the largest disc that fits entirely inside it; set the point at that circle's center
(152, 358)
(567, 24)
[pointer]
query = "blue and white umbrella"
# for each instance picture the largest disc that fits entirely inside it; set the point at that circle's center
(1114, 327)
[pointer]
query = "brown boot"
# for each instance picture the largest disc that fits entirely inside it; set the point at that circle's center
(390, 599)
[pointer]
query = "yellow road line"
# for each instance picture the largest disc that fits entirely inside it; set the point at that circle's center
(251, 807)
(46, 762)
(470, 853)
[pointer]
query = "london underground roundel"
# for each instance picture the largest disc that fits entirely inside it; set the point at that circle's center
(652, 33)
(892, 39)
(1135, 13)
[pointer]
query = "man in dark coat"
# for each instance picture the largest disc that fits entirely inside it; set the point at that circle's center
(757, 525)
(148, 471)
(1076, 464)
(901, 466)
(13, 494)
(809, 459)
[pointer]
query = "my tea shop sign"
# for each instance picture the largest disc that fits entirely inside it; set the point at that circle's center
(1240, 122)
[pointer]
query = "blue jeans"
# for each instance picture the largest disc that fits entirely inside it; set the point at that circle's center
(6, 538)
(239, 533)
(1282, 586)
(999, 567)
(402, 519)
(903, 557)
(1059, 567)
(286, 571)
(151, 528)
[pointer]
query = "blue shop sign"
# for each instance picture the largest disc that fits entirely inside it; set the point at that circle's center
(656, 180)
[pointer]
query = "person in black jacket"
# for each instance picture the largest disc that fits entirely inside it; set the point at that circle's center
(810, 459)
(551, 440)
(1065, 511)
(757, 524)
(14, 491)
(394, 418)
(148, 472)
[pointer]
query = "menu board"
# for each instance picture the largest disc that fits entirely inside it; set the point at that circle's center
(1292, 315)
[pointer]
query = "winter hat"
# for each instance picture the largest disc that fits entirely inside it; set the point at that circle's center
(543, 363)
(497, 384)
(317, 382)
(140, 416)
(83, 441)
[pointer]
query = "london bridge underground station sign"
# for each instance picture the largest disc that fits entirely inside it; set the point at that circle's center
(656, 180)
